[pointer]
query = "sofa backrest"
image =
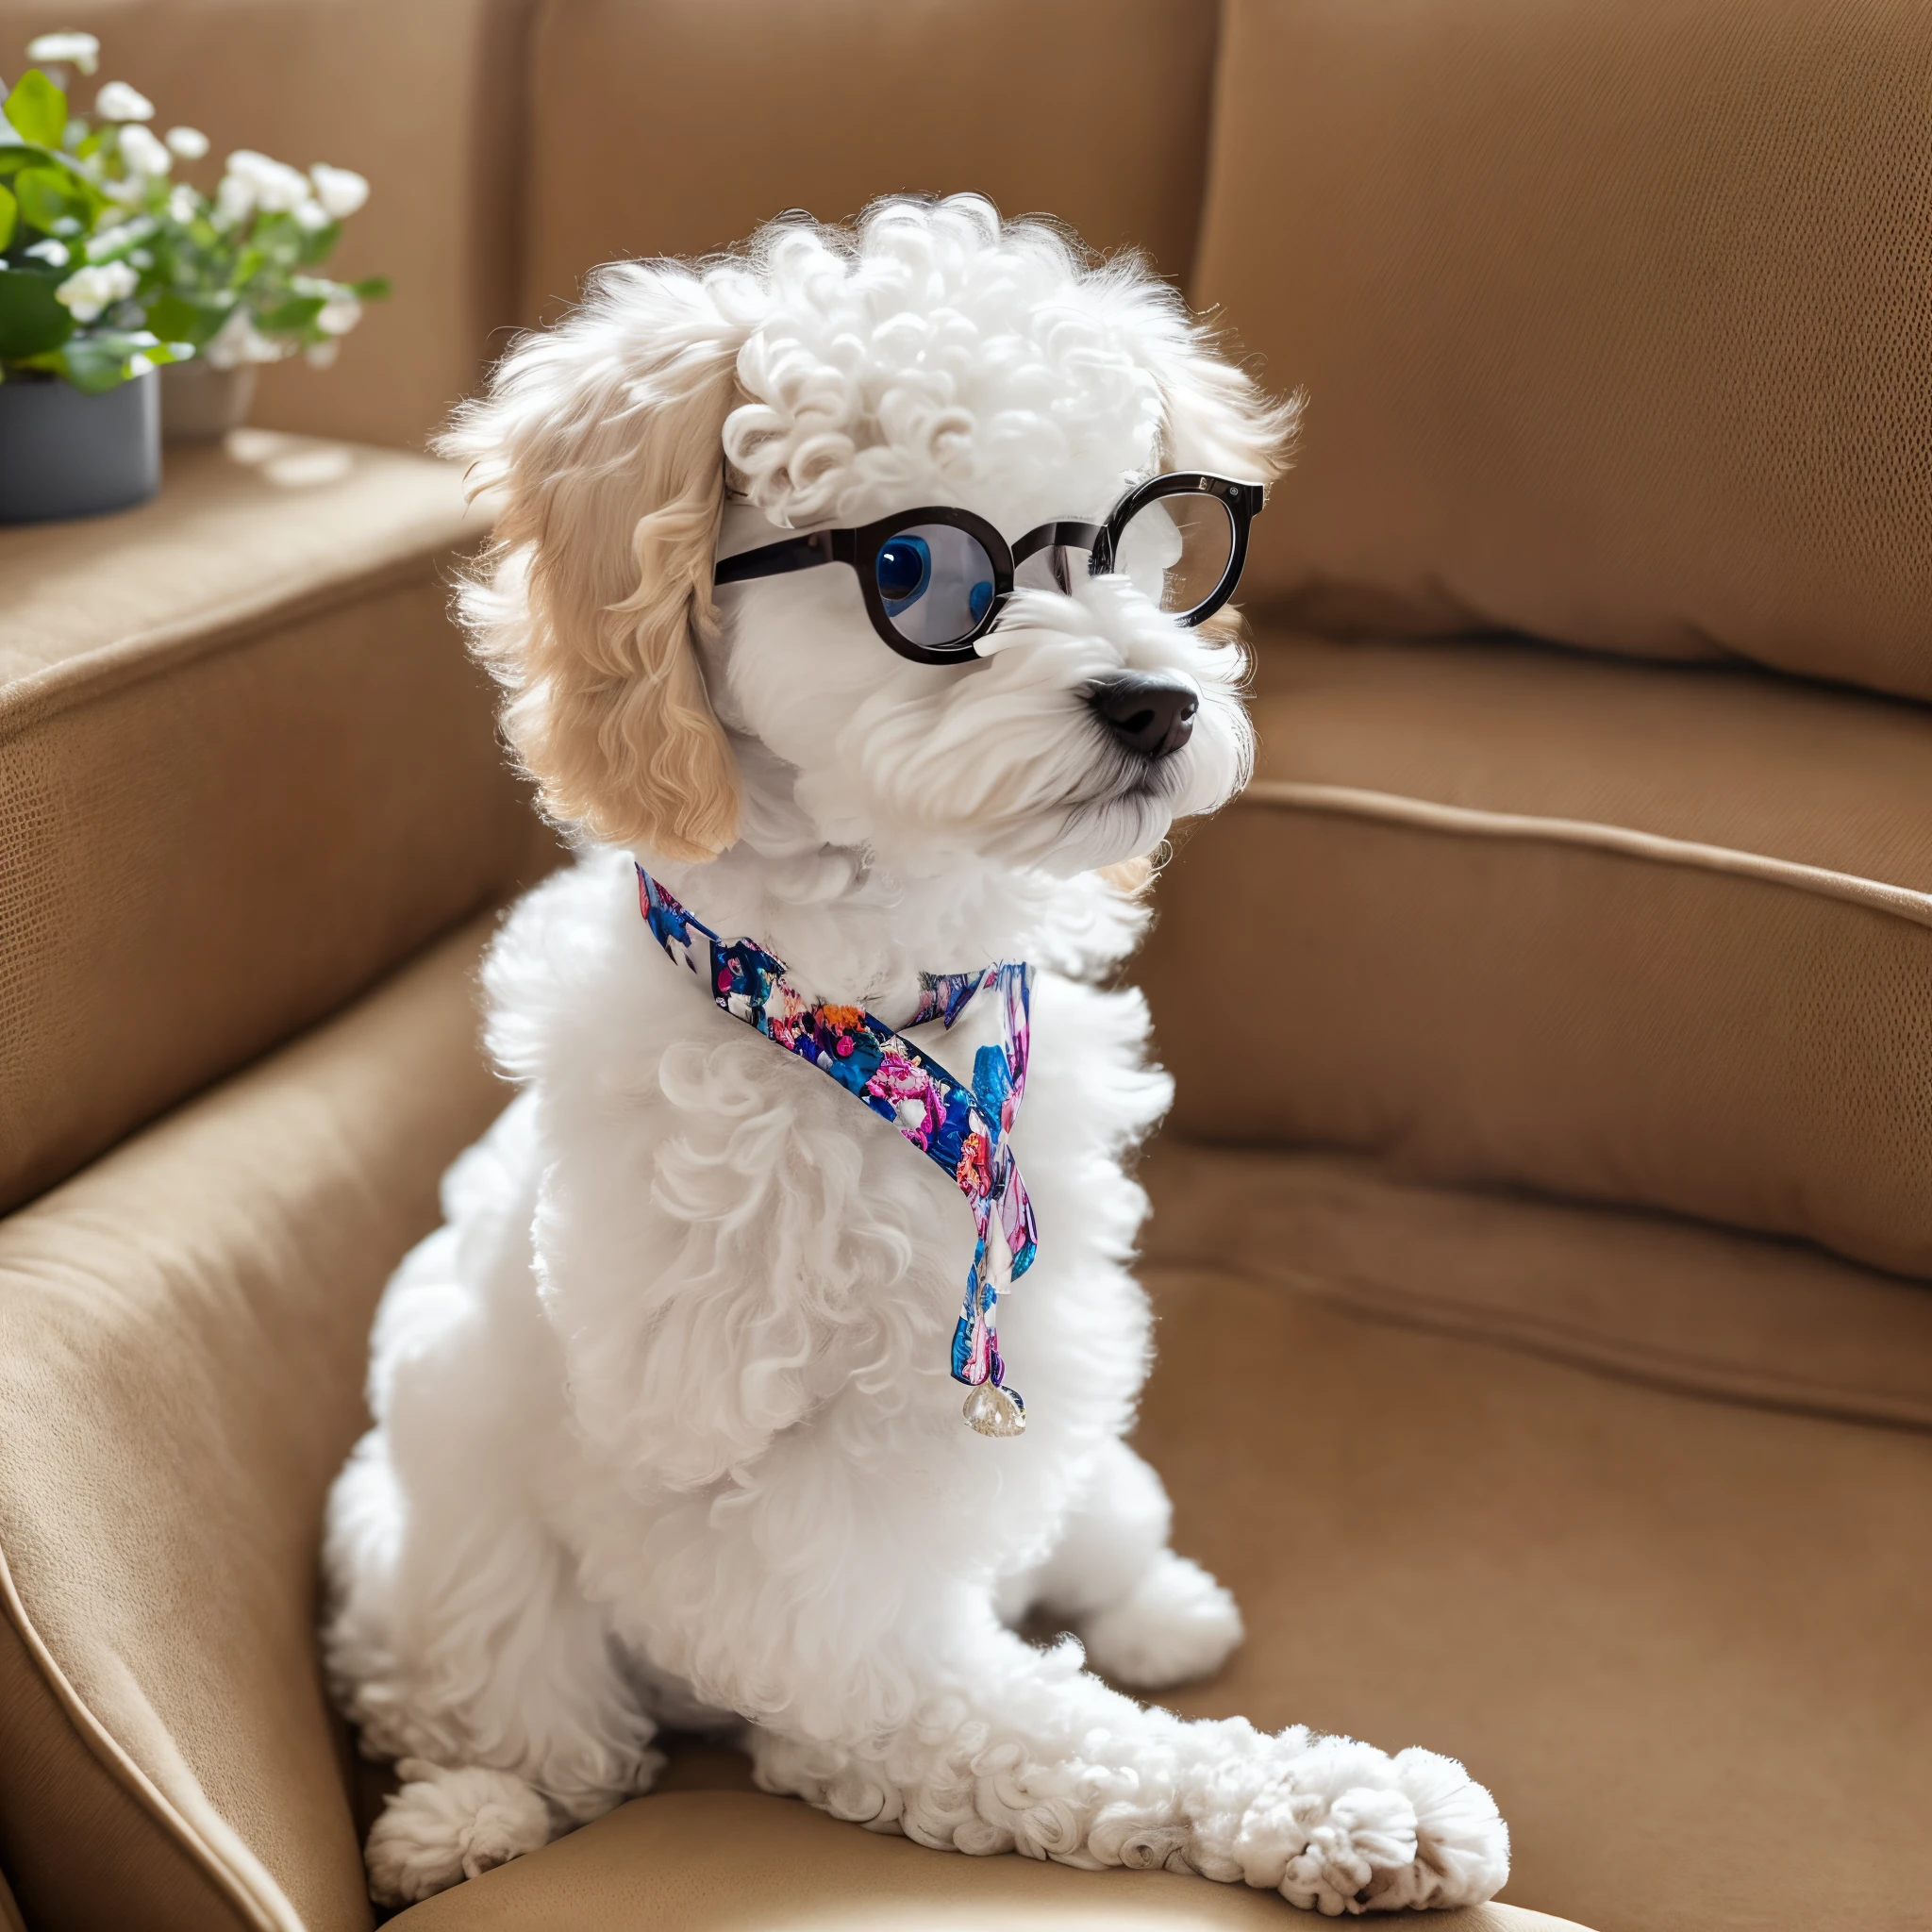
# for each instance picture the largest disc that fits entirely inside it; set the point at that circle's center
(665, 127)
(1615, 322)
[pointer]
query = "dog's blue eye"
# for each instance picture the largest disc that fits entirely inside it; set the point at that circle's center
(905, 569)
(937, 584)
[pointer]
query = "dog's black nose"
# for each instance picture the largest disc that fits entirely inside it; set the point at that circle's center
(1152, 715)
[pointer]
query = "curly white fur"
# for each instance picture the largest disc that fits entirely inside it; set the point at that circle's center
(664, 1431)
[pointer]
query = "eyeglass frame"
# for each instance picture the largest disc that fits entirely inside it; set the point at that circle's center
(861, 547)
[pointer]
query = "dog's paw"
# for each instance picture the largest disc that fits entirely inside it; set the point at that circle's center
(446, 1826)
(1345, 1828)
(1176, 1624)
(1462, 1845)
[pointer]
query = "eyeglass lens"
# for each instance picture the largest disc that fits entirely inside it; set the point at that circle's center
(936, 582)
(1177, 549)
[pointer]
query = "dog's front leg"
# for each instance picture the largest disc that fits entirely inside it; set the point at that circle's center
(836, 1601)
(1003, 1747)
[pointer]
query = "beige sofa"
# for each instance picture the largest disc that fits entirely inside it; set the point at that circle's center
(1542, 1234)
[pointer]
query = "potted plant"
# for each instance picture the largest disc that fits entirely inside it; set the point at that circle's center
(112, 272)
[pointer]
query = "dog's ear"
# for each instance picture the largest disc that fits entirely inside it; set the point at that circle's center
(600, 442)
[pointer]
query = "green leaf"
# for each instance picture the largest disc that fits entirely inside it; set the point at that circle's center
(280, 238)
(371, 288)
(9, 213)
(286, 318)
(37, 109)
(47, 196)
(178, 318)
(318, 244)
(104, 359)
(31, 321)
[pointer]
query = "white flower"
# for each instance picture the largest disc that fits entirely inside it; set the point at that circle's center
(338, 314)
(191, 143)
(311, 216)
(51, 252)
(341, 191)
(254, 180)
(238, 341)
(183, 203)
(143, 153)
(139, 364)
(106, 242)
(320, 354)
(84, 50)
(117, 101)
(88, 290)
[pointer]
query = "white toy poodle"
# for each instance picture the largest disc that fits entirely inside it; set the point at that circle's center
(847, 594)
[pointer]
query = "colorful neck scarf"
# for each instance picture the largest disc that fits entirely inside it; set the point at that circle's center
(962, 1128)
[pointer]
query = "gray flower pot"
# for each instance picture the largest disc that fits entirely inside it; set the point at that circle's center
(63, 454)
(201, 403)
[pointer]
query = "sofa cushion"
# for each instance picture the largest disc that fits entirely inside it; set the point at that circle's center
(244, 769)
(660, 128)
(1612, 319)
(1616, 932)
(183, 1333)
(425, 99)
(729, 1861)
(1682, 1640)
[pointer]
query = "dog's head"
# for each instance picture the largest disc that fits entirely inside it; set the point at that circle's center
(931, 355)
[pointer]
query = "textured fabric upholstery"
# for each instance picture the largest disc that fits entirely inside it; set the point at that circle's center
(1669, 945)
(245, 768)
(1612, 319)
(426, 99)
(1682, 1640)
(183, 1332)
(665, 127)
(1676, 1304)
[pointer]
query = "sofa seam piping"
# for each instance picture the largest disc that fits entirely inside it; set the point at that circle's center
(113, 1758)
(1686, 1377)
(1389, 807)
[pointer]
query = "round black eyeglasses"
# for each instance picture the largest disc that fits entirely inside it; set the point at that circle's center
(935, 580)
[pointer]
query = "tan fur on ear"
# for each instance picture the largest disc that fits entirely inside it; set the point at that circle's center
(602, 441)
(1132, 878)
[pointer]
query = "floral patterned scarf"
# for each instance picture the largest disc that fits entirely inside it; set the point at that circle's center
(962, 1128)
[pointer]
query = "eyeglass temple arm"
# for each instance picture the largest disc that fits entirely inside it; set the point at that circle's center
(779, 560)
